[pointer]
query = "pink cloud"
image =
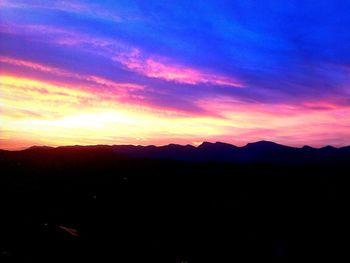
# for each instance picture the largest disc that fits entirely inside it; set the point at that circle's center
(35, 66)
(314, 122)
(59, 72)
(130, 57)
(224, 105)
(159, 68)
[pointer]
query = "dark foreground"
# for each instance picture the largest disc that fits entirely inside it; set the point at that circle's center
(89, 205)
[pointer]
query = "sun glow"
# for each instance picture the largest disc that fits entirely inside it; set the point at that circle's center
(54, 114)
(40, 112)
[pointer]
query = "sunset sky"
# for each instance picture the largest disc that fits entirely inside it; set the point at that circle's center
(159, 72)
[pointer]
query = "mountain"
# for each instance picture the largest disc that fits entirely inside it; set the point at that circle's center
(174, 203)
(255, 152)
(36, 147)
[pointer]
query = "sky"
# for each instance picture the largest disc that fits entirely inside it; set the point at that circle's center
(159, 72)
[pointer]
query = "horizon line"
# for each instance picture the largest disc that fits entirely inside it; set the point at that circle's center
(163, 145)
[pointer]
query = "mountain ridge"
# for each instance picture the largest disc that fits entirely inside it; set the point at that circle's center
(204, 143)
(255, 152)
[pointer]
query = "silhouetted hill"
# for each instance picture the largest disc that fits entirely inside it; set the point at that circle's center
(257, 152)
(173, 203)
(35, 147)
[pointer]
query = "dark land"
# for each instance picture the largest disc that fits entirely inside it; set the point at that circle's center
(211, 203)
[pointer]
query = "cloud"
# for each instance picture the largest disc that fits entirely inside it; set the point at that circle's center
(59, 72)
(77, 8)
(133, 58)
(160, 68)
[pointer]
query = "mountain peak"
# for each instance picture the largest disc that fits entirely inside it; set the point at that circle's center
(328, 148)
(205, 144)
(263, 143)
(38, 147)
(216, 145)
(307, 147)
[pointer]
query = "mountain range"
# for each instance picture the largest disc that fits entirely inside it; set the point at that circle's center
(175, 203)
(256, 152)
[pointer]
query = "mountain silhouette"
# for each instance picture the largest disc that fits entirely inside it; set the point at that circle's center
(260, 151)
(215, 202)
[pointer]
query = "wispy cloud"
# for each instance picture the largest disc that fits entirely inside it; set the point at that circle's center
(59, 72)
(133, 58)
(159, 67)
(76, 7)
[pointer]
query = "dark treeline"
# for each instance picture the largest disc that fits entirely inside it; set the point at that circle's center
(132, 209)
